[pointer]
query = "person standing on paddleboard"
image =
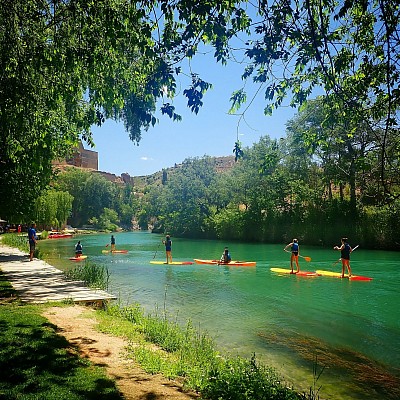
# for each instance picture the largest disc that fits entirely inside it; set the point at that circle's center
(168, 248)
(295, 249)
(112, 243)
(345, 250)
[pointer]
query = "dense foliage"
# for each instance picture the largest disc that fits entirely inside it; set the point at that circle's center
(316, 191)
(69, 64)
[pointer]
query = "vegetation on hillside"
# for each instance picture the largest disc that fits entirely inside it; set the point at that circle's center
(310, 185)
(67, 65)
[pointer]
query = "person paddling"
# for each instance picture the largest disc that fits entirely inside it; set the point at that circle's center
(225, 257)
(345, 250)
(295, 249)
(78, 249)
(112, 243)
(168, 248)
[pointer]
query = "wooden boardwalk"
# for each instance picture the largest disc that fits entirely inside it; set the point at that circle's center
(38, 282)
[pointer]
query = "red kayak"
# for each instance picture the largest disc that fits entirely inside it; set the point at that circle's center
(339, 275)
(78, 258)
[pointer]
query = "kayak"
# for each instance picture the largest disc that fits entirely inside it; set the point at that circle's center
(230, 263)
(289, 271)
(114, 251)
(339, 275)
(80, 258)
(172, 263)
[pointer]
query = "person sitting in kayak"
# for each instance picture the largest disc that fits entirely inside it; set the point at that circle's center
(78, 249)
(295, 249)
(226, 257)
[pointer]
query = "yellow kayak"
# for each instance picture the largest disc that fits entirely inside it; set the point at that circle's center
(289, 271)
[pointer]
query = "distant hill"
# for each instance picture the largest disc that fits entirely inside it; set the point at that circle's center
(222, 164)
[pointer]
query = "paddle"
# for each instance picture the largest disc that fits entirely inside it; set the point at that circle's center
(308, 259)
(156, 251)
(355, 248)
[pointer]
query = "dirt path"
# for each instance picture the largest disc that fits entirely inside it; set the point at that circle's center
(78, 327)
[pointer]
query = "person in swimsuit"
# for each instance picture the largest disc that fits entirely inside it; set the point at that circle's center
(345, 250)
(168, 248)
(295, 249)
(112, 243)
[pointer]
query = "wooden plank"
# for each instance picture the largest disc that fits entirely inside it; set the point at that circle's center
(39, 282)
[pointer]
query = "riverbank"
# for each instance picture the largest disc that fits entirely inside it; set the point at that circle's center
(120, 341)
(84, 348)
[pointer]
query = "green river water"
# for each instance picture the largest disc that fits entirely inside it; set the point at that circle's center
(352, 328)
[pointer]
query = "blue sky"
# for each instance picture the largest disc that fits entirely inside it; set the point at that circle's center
(211, 132)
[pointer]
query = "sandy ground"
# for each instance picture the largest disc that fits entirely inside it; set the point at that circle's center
(78, 327)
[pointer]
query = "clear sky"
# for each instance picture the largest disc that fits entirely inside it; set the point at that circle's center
(211, 132)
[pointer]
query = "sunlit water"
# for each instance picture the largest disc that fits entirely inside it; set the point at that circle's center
(352, 328)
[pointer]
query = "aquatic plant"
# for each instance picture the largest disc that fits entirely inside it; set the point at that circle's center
(93, 275)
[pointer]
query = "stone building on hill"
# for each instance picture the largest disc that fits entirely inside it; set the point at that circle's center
(82, 158)
(89, 160)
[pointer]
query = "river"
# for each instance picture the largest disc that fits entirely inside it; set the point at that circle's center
(349, 328)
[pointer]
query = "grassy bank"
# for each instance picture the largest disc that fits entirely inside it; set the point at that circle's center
(37, 363)
(190, 356)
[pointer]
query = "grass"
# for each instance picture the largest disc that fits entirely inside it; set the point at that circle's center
(36, 362)
(93, 275)
(20, 241)
(163, 347)
(15, 240)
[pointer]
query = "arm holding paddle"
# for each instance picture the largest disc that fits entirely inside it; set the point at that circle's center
(345, 250)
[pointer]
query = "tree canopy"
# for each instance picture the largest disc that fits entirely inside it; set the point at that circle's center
(69, 64)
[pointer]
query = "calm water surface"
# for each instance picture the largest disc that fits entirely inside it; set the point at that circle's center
(351, 328)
